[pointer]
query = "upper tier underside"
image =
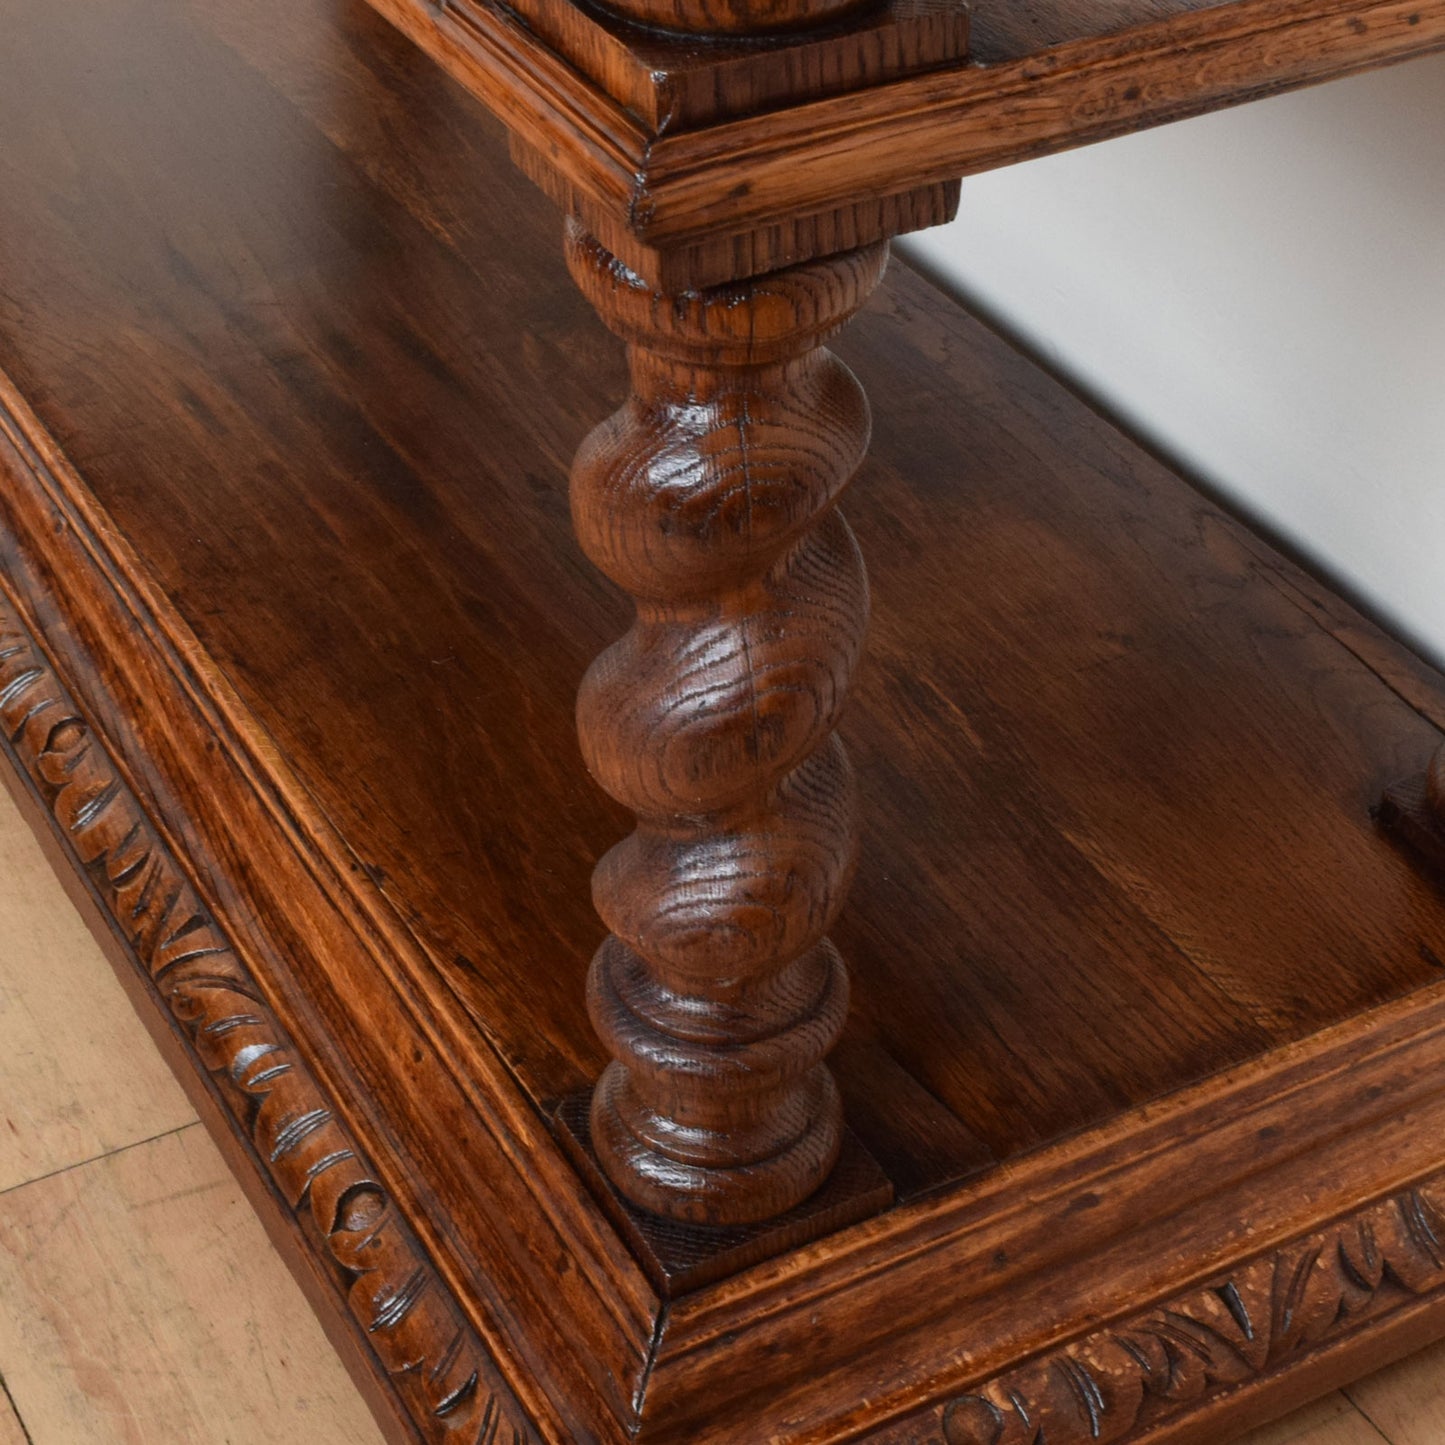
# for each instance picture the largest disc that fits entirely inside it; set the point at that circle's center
(695, 197)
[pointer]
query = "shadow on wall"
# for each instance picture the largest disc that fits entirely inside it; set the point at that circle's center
(1260, 293)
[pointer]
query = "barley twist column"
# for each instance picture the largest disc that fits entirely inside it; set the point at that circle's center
(710, 498)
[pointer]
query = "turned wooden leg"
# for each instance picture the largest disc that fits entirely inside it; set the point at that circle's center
(710, 498)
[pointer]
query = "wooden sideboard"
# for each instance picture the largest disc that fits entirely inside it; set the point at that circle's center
(1114, 825)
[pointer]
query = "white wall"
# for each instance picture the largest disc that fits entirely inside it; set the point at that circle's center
(1262, 293)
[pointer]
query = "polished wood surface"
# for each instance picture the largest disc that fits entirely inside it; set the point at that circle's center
(245, 1359)
(710, 499)
(669, 82)
(716, 1110)
(1413, 809)
(1144, 1004)
(1057, 963)
(732, 17)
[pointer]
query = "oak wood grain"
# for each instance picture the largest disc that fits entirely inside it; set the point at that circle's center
(672, 82)
(359, 421)
(974, 118)
(711, 499)
(1404, 1399)
(1009, 30)
(733, 17)
(285, 515)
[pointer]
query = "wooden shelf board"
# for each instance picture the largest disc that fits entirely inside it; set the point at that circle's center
(1006, 31)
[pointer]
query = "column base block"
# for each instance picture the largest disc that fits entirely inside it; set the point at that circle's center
(680, 1257)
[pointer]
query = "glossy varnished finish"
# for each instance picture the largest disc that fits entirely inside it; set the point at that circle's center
(300, 558)
(1414, 810)
(710, 499)
(421, 1342)
(733, 17)
(672, 82)
(472, 630)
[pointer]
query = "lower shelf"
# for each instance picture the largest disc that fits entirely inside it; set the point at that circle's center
(1149, 1014)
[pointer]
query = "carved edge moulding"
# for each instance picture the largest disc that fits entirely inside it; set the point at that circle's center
(447, 1379)
(311, 937)
(1104, 1387)
(1008, 1307)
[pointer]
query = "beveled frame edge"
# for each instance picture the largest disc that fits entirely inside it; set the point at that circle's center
(947, 1295)
(69, 582)
(1329, 1306)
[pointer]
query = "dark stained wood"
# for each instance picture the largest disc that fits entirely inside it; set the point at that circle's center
(733, 17)
(708, 260)
(1010, 30)
(1147, 1012)
(711, 498)
(266, 1090)
(956, 122)
(680, 1257)
(1415, 810)
(1064, 1245)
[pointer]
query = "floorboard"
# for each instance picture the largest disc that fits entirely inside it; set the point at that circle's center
(142, 1304)
(63, 1026)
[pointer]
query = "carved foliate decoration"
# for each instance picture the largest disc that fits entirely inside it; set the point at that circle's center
(441, 1371)
(1112, 1386)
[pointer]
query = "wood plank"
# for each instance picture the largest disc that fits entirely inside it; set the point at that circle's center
(313, 581)
(143, 1304)
(1044, 496)
(1394, 1395)
(967, 119)
(12, 1432)
(64, 1025)
(706, 203)
(1005, 30)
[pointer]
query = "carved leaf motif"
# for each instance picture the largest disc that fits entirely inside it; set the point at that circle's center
(1111, 1387)
(440, 1368)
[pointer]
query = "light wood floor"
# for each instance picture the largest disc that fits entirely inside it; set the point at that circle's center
(139, 1302)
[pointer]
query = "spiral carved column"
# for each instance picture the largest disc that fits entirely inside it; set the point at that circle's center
(710, 498)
